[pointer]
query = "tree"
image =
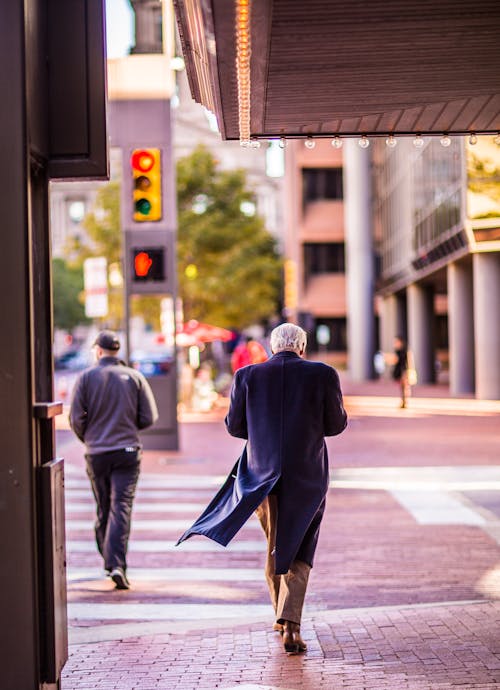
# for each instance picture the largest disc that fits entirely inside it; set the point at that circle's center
(228, 264)
(68, 285)
(103, 237)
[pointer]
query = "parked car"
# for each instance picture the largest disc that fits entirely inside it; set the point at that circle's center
(73, 360)
(151, 363)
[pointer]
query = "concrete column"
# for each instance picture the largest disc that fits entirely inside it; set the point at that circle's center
(461, 328)
(487, 325)
(421, 331)
(392, 321)
(388, 322)
(359, 260)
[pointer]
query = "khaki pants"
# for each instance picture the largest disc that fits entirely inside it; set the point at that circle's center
(287, 591)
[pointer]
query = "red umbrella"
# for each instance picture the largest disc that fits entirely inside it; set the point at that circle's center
(204, 332)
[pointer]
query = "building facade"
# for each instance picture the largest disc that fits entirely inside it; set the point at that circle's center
(314, 244)
(437, 210)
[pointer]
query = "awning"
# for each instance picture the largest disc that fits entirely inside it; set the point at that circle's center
(344, 67)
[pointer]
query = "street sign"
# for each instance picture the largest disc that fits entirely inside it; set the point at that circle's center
(95, 282)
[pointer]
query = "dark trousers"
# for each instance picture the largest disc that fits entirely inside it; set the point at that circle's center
(113, 477)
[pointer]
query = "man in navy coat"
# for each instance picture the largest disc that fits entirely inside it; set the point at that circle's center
(284, 408)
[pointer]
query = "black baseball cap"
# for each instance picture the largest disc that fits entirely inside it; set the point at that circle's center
(108, 340)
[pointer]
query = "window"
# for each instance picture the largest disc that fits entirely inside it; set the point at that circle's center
(321, 183)
(337, 331)
(324, 258)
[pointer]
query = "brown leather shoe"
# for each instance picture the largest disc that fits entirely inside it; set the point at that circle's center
(292, 640)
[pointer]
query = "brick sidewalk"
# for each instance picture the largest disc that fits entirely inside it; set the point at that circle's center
(415, 648)
(405, 592)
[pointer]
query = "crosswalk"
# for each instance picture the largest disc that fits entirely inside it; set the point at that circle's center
(181, 587)
(172, 586)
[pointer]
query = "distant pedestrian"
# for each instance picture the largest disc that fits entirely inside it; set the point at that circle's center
(248, 351)
(111, 402)
(283, 408)
(403, 370)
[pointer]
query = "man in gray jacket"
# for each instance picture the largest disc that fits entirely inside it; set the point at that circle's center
(111, 402)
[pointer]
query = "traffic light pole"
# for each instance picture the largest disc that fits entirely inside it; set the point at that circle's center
(142, 130)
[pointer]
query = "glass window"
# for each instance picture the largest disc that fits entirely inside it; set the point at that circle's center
(337, 331)
(327, 257)
(321, 183)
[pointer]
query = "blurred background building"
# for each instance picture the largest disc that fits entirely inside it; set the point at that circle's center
(315, 280)
(437, 212)
(430, 226)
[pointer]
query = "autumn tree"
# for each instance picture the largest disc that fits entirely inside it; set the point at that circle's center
(228, 264)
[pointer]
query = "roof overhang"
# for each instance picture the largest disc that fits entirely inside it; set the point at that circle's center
(347, 67)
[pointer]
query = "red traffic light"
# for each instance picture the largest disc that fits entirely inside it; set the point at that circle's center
(142, 264)
(148, 264)
(142, 160)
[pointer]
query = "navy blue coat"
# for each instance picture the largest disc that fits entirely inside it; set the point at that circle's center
(284, 408)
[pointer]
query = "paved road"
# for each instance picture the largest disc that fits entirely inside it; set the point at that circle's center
(405, 590)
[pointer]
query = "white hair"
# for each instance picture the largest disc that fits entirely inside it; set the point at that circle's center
(288, 336)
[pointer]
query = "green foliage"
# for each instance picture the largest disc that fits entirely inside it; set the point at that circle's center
(234, 271)
(233, 268)
(103, 237)
(103, 231)
(68, 305)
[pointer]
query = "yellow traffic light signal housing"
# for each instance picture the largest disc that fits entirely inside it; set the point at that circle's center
(146, 173)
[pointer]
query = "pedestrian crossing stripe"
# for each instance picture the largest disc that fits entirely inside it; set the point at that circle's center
(145, 493)
(151, 525)
(198, 574)
(141, 507)
(157, 612)
(160, 481)
(463, 478)
(193, 545)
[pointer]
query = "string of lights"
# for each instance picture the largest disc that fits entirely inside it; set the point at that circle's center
(243, 53)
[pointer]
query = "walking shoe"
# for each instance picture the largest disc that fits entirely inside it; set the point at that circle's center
(119, 578)
(292, 640)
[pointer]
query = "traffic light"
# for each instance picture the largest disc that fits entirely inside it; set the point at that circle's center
(146, 173)
(148, 264)
(149, 261)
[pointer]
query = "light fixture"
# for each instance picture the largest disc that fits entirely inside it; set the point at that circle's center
(418, 142)
(364, 142)
(445, 141)
(337, 142)
(243, 51)
(177, 63)
(496, 140)
(391, 141)
(472, 139)
(282, 143)
(309, 143)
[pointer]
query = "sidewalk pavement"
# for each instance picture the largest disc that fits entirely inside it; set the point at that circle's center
(404, 594)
